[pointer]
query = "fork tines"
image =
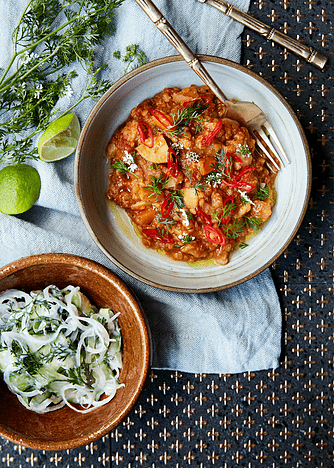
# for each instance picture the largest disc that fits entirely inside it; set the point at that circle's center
(269, 144)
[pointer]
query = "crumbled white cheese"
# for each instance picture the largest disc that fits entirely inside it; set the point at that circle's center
(185, 219)
(130, 161)
(246, 197)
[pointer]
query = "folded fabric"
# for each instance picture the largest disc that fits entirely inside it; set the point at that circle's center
(229, 331)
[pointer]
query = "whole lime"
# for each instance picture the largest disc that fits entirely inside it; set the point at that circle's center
(20, 186)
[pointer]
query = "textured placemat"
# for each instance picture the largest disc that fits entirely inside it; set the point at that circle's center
(282, 418)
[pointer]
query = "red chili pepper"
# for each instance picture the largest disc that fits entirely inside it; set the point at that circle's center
(141, 126)
(165, 121)
(166, 207)
(245, 186)
(207, 140)
(245, 172)
(203, 96)
(228, 200)
(239, 160)
(173, 168)
(204, 217)
(239, 181)
(159, 236)
(214, 235)
(239, 184)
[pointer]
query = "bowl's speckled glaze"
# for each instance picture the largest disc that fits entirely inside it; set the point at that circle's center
(65, 428)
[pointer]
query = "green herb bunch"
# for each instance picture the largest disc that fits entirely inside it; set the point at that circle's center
(49, 37)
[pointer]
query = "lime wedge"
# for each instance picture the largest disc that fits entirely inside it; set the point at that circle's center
(59, 139)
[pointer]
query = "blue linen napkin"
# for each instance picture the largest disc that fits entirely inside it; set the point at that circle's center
(230, 331)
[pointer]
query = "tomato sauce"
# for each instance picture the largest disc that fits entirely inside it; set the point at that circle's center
(188, 177)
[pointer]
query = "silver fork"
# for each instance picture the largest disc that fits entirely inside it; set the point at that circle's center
(249, 113)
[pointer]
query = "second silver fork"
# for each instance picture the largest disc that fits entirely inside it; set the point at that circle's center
(252, 116)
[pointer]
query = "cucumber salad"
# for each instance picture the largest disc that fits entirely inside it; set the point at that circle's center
(57, 349)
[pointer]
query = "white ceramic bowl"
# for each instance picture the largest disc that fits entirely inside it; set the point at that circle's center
(113, 232)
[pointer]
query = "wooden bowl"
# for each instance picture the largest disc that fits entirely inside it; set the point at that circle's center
(65, 428)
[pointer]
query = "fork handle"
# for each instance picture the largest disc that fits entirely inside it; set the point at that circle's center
(169, 32)
(307, 53)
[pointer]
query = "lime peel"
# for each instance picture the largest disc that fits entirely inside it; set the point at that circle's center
(60, 138)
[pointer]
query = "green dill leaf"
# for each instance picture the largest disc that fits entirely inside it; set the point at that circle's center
(187, 239)
(197, 185)
(157, 185)
(122, 167)
(183, 118)
(253, 223)
(26, 359)
(263, 193)
(234, 230)
(223, 165)
(134, 57)
(243, 150)
(49, 37)
(177, 197)
(226, 211)
(168, 222)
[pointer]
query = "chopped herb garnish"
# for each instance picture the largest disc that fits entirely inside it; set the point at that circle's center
(263, 193)
(253, 223)
(122, 167)
(187, 239)
(177, 197)
(157, 185)
(26, 359)
(226, 212)
(224, 165)
(243, 245)
(199, 185)
(133, 56)
(168, 222)
(243, 150)
(183, 118)
(234, 230)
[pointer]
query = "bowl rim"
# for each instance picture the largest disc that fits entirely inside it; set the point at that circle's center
(99, 104)
(85, 263)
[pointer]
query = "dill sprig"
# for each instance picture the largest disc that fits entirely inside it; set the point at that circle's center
(167, 222)
(184, 116)
(254, 224)
(80, 375)
(223, 165)
(122, 167)
(187, 239)
(197, 185)
(226, 212)
(177, 197)
(234, 230)
(263, 193)
(50, 36)
(157, 185)
(25, 358)
(134, 57)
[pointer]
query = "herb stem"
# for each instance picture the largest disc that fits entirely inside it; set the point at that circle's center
(32, 47)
